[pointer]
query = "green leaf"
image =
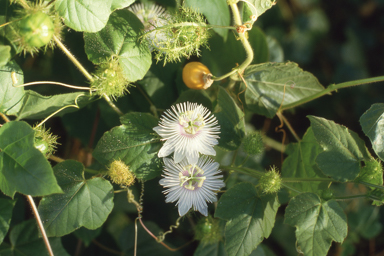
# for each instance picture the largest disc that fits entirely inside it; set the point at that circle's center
(37, 106)
(250, 217)
(135, 143)
(5, 54)
(211, 9)
(10, 96)
(6, 208)
(270, 85)
(23, 168)
(372, 122)
(301, 163)
(120, 39)
(85, 202)
(25, 240)
(216, 249)
(119, 4)
(343, 149)
(317, 223)
(84, 15)
(231, 121)
(262, 5)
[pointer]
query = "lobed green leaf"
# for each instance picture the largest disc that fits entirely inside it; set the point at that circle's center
(135, 143)
(271, 85)
(11, 75)
(6, 208)
(372, 122)
(120, 39)
(231, 121)
(5, 54)
(317, 223)
(343, 149)
(250, 217)
(23, 168)
(85, 202)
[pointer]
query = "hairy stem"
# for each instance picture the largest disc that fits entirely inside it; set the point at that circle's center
(112, 105)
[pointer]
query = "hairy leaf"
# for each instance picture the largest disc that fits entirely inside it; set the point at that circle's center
(23, 168)
(231, 121)
(317, 223)
(372, 122)
(272, 85)
(135, 143)
(343, 149)
(250, 218)
(85, 202)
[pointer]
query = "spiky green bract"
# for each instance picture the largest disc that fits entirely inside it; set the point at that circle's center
(271, 181)
(253, 143)
(120, 174)
(372, 172)
(109, 79)
(183, 36)
(208, 230)
(45, 141)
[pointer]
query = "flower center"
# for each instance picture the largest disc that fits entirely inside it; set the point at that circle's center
(191, 177)
(191, 125)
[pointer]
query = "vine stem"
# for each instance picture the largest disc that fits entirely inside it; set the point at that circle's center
(57, 83)
(112, 105)
(72, 58)
(4, 117)
(334, 87)
(282, 117)
(40, 224)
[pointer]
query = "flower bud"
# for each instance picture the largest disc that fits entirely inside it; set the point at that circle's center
(45, 141)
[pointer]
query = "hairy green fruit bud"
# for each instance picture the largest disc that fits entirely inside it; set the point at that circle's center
(253, 143)
(45, 141)
(208, 230)
(372, 172)
(327, 194)
(271, 181)
(36, 29)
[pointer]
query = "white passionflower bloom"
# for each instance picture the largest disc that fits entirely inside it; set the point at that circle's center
(188, 129)
(152, 16)
(191, 185)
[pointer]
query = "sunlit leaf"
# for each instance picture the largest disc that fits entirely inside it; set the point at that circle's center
(231, 121)
(135, 143)
(10, 75)
(372, 122)
(301, 163)
(210, 9)
(85, 202)
(261, 6)
(343, 149)
(317, 223)
(5, 54)
(120, 40)
(119, 4)
(25, 240)
(250, 216)
(23, 168)
(271, 85)
(36, 106)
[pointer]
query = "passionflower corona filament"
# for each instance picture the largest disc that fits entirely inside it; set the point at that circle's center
(188, 129)
(191, 185)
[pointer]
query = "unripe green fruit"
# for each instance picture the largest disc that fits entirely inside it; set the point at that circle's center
(36, 29)
(41, 145)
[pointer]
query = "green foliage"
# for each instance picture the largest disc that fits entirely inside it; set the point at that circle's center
(317, 223)
(343, 149)
(91, 201)
(122, 70)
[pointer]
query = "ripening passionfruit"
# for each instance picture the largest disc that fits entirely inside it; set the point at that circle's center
(197, 76)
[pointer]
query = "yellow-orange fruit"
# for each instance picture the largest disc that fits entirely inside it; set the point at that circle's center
(196, 76)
